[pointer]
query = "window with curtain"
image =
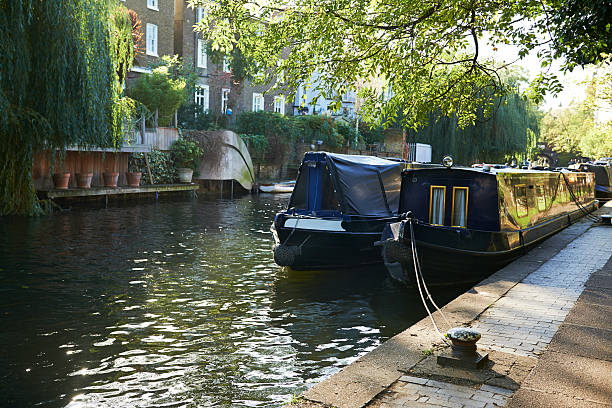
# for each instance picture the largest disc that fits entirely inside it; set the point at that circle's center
(151, 42)
(436, 209)
(460, 197)
(202, 57)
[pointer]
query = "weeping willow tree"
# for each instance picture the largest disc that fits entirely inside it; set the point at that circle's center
(511, 131)
(59, 86)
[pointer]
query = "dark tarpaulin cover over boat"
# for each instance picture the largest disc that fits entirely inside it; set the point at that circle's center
(365, 185)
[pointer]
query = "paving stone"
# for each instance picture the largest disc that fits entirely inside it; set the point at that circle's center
(573, 375)
(414, 380)
(591, 315)
(598, 296)
(583, 341)
(525, 398)
(496, 390)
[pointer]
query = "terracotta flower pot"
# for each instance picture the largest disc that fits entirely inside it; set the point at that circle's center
(184, 175)
(60, 180)
(110, 179)
(133, 178)
(84, 180)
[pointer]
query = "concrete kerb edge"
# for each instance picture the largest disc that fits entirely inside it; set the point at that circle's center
(505, 279)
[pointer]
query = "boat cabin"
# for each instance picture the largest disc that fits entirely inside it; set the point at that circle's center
(333, 185)
(489, 199)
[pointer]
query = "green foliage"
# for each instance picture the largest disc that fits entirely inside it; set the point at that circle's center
(279, 131)
(428, 53)
(371, 134)
(190, 116)
(257, 144)
(58, 87)
(319, 127)
(163, 170)
(563, 129)
(597, 142)
(583, 31)
(511, 131)
(186, 153)
(159, 92)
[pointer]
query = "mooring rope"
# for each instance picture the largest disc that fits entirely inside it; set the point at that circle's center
(420, 279)
(584, 211)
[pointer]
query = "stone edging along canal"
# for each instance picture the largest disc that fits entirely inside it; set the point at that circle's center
(408, 360)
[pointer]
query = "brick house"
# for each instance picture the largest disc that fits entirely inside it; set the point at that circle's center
(215, 91)
(167, 28)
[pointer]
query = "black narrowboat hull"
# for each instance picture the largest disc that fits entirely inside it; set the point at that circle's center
(449, 256)
(311, 249)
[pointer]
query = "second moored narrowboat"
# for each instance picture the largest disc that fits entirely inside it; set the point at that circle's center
(338, 209)
(468, 223)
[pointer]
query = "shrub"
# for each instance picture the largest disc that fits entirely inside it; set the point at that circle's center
(162, 167)
(186, 153)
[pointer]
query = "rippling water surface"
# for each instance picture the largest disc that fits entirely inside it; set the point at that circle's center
(177, 304)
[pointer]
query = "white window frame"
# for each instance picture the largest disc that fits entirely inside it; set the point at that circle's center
(258, 102)
(202, 57)
(202, 97)
(224, 100)
(279, 104)
(153, 5)
(199, 14)
(226, 65)
(151, 39)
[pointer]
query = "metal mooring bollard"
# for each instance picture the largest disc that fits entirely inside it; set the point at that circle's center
(463, 352)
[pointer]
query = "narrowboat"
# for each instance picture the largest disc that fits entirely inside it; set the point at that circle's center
(603, 179)
(469, 222)
(338, 209)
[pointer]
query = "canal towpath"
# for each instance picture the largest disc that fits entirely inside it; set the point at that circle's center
(546, 325)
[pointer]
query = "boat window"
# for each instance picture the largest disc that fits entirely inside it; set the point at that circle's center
(520, 196)
(460, 200)
(541, 198)
(436, 205)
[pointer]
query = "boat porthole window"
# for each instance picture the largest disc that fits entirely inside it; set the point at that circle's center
(460, 201)
(436, 205)
(520, 197)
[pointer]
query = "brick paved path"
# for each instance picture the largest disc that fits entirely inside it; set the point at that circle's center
(525, 320)
(522, 323)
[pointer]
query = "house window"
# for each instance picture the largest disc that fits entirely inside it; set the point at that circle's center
(153, 4)
(520, 197)
(436, 205)
(279, 104)
(460, 208)
(201, 97)
(226, 65)
(199, 14)
(224, 100)
(151, 39)
(257, 102)
(201, 57)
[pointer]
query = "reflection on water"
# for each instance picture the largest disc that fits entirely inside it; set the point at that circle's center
(177, 304)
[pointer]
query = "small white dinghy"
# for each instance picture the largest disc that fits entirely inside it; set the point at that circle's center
(283, 187)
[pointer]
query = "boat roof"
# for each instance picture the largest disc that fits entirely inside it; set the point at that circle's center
(494, 171)
(350, 158)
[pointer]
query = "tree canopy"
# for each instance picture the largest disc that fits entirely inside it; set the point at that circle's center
(411, 57)
(59, 86)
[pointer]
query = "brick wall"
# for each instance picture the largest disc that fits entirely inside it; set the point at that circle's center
(163, 19)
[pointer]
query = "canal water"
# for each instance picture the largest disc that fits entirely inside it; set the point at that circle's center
(169, 303)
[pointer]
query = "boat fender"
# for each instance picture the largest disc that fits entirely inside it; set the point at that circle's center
(284, 255)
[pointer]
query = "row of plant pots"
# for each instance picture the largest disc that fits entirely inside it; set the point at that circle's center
(83, 180)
